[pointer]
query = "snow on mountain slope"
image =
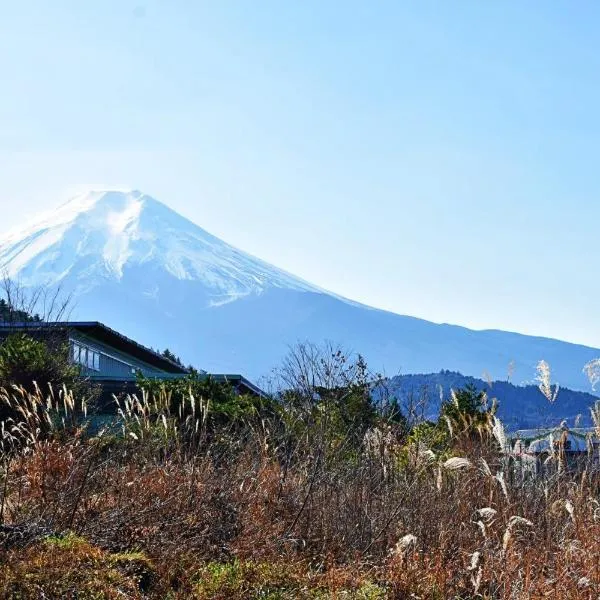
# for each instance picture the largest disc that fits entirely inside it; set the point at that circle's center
(141, 268)
(95, 236)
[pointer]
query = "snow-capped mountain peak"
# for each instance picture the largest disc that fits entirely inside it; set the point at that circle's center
(143, 269)
(100, 234)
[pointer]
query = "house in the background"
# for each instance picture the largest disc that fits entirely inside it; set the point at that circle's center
(113, 360)
(541, 451)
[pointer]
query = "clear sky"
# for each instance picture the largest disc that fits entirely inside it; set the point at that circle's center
(438, 159)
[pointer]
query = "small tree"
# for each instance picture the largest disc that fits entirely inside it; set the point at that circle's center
(172, 357)
(394, 415)
(8, 314)
(467, 414)
(468, 402)
(327, 393)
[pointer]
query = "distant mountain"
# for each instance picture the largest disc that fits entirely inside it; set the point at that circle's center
(519, 407)
(103, 237)
(141, 268)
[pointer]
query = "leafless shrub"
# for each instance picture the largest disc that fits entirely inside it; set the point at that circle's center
(47, 304)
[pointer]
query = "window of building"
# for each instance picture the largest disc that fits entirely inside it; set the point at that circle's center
(86, 357)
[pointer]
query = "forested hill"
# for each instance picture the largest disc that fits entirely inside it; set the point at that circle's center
(518, 406)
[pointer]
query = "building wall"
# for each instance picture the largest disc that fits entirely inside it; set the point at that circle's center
(107, 362)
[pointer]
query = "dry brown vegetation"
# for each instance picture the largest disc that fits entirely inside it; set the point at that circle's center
(159, 505)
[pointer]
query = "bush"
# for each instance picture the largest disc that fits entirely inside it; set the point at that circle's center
(25, 360)
(224, 405)
(35, 372)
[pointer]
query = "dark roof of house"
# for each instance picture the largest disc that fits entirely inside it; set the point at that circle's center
(106, 335)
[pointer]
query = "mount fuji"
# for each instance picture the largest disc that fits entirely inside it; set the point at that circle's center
(131, 262)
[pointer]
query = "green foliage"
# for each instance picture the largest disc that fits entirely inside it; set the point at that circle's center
(371, 591)
(224, 404)
(434, 436)
(467, 409)
(393, 414)
(246, 579)
(71, 567)
(68, 541)
(274, 581)
(172, 357)
(37, 367)
(467, 412)
(468, 400)
(24, 360)
(331, 393)
(462, 418)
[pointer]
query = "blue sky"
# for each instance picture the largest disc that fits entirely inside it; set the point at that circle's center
(437, 159)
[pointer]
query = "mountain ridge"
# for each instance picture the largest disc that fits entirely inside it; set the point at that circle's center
(518, 406)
